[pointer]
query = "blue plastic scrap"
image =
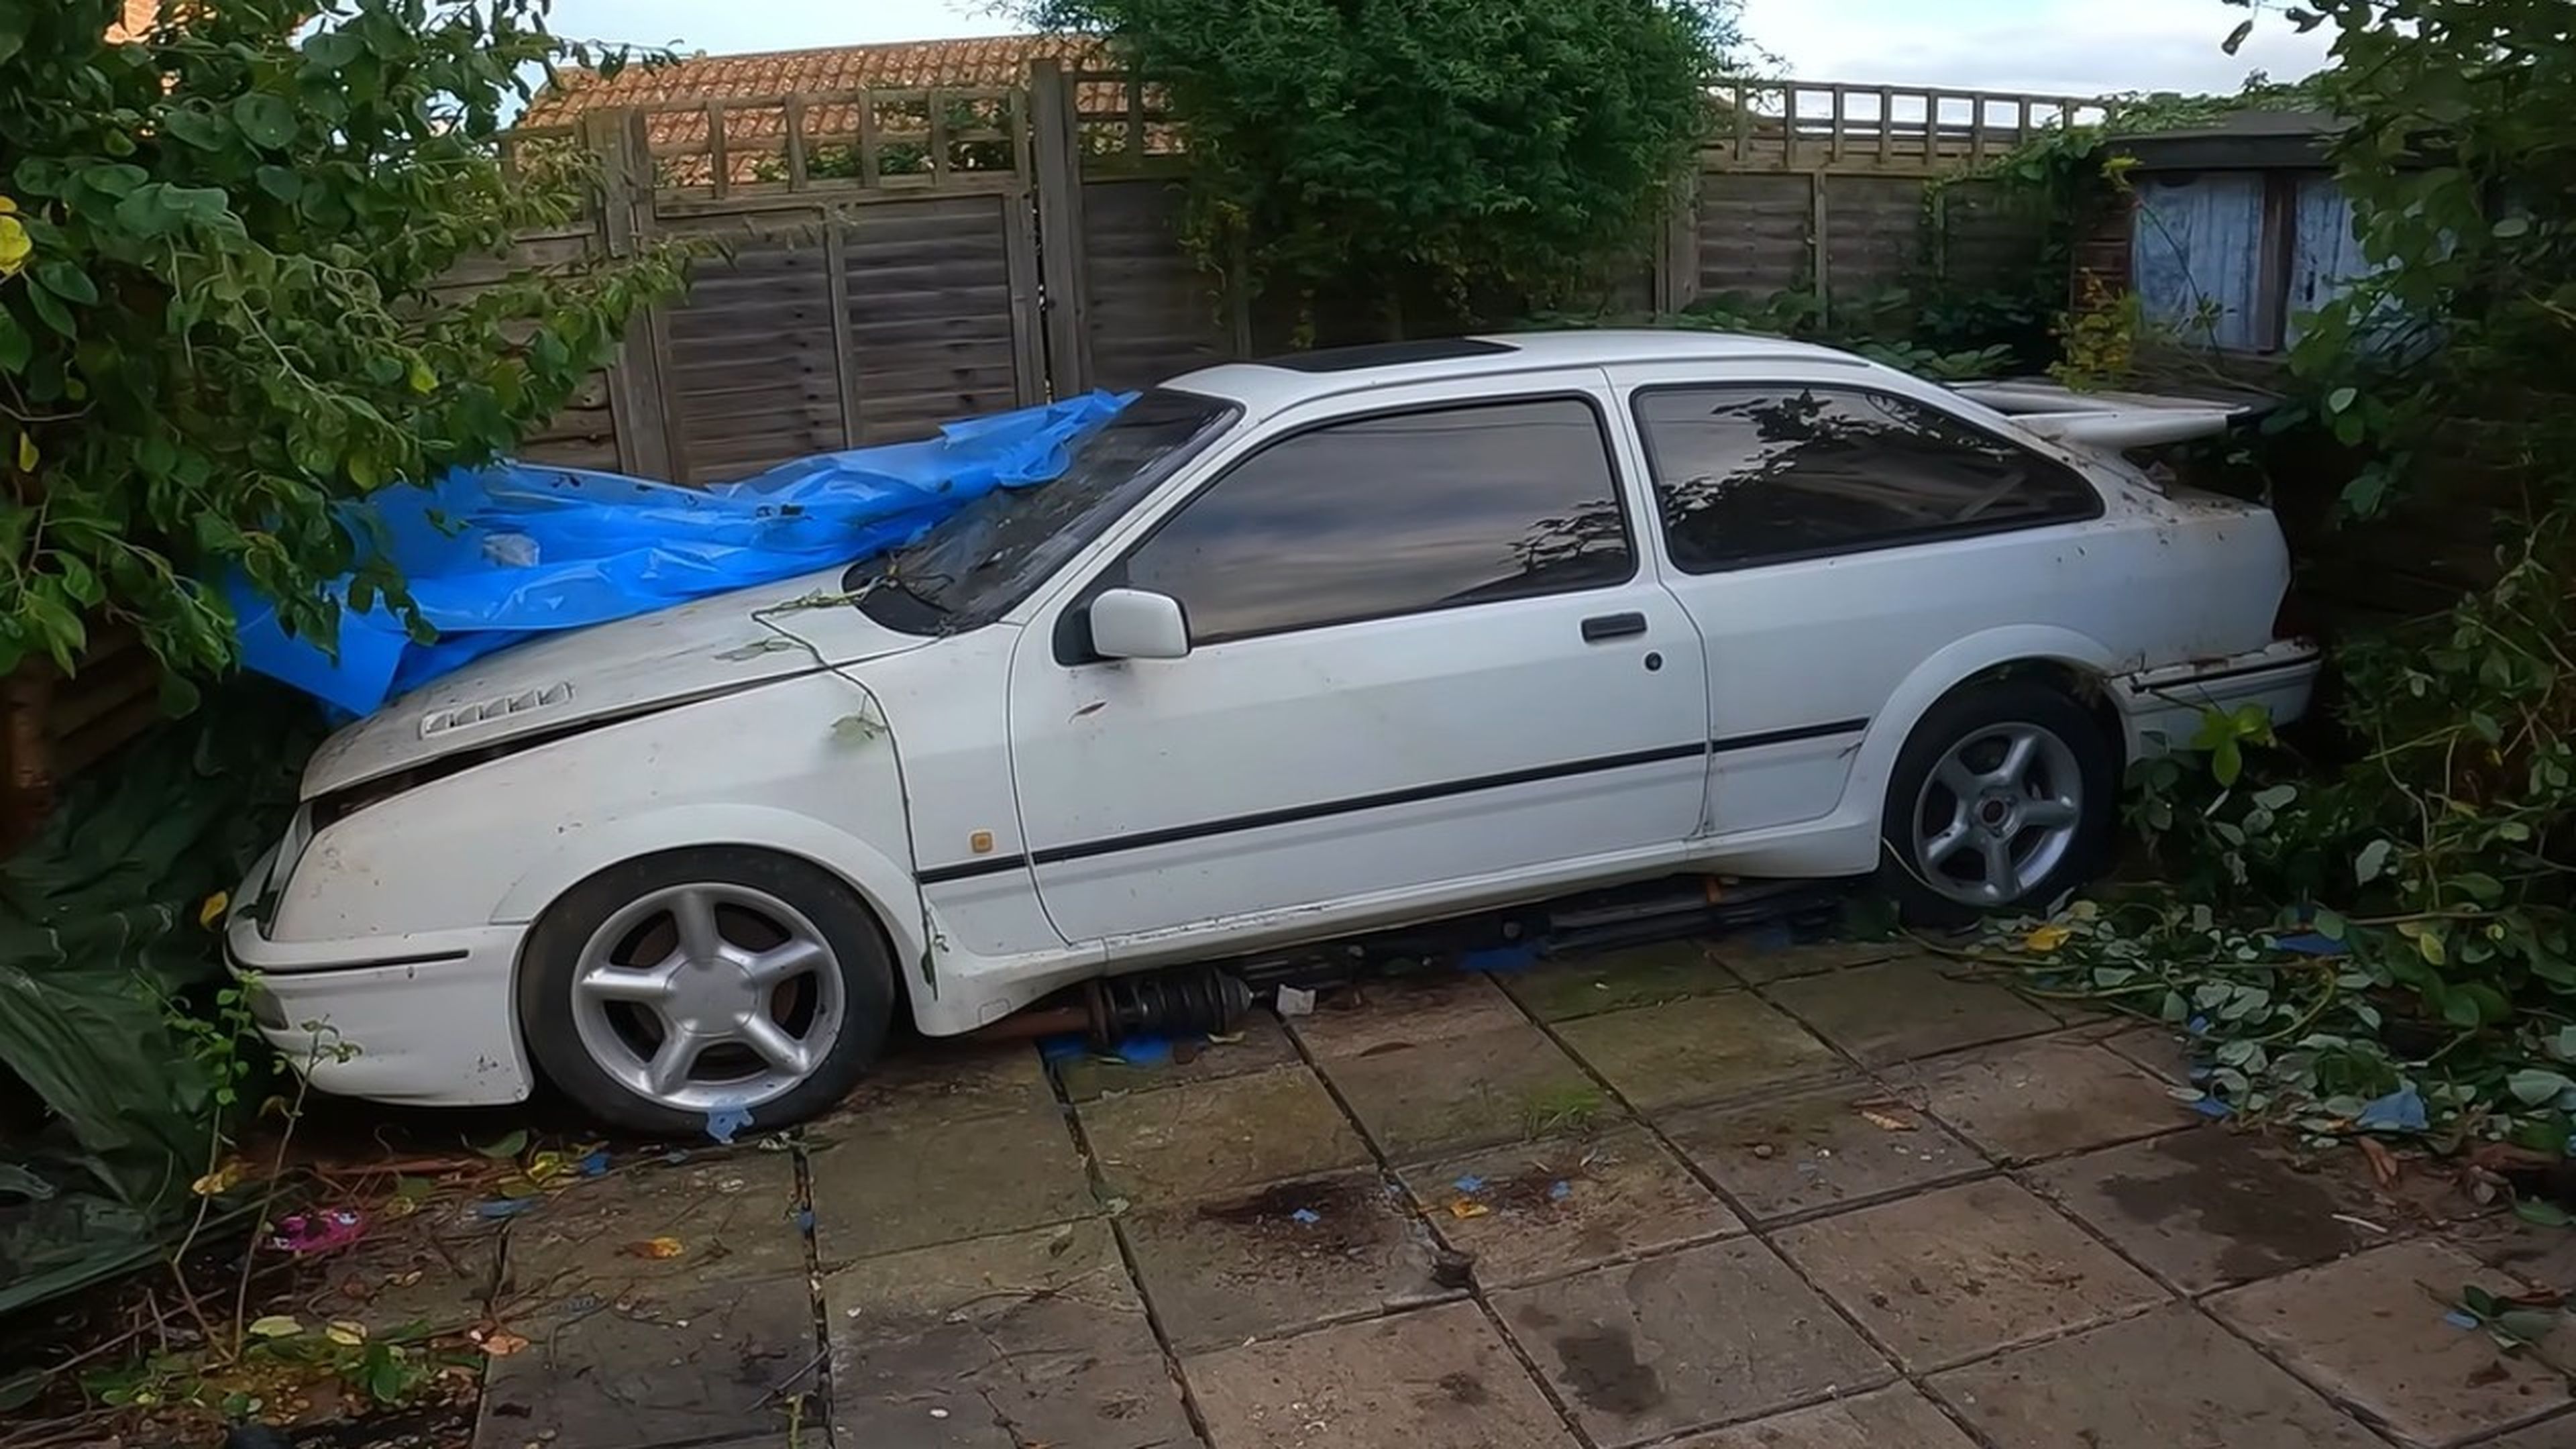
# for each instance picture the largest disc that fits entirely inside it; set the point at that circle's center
(1307, 1216)
(497, 555)
(724, 1122)
(2399, 1111)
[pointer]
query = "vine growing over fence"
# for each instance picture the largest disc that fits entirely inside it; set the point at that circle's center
(220, 313)
(1442, 159)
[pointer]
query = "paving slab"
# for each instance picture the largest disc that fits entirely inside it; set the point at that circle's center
(2169, 1380)
(887, 1189)
(1439, 1378)
(2368, 1331)
(1911, 1007)
(1713, 1048)
(2157, 1049)
(1843, 1143)
(2530, 1251)
(1264, 1044)
(923, 1082)
(1562, 990)
(2558, 1433)
(1965, 1270)
(1404, 1010)
(1895, 1417)
(1499, 1085)
(1277, 1259)
(701, 1361)
(732, 1213)
(999, 1343)
(1209, 1138)
(2206, 1207)
(436, 1274)
(1545, 1209)
(1757, 962)
(1700, 1337)
(2034, 1099)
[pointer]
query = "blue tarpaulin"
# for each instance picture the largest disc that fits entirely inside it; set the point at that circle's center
(496, 555)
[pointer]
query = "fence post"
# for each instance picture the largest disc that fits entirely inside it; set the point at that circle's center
(1818, 239)
(1057, 178)
(638, 407)
(1677, 254)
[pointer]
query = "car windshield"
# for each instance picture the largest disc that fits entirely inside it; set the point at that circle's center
(992, 553)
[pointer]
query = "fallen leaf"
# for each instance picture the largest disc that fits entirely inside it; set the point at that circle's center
(2493, 1372)
(501, 1343)
(510, 1145)
(2383, 1163)
(1465, 1208)
(346, 1333)
(654, 1248)
(275, 1325)
(222, 1180)
(213, 909)
(1884, 1122)
(2044, 939)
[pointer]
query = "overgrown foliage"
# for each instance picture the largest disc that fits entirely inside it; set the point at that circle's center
(2392, 913)
(220, 313)
(1442, 159)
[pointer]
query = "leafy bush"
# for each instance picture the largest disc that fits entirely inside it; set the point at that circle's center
(1441, 158)
(224, 317)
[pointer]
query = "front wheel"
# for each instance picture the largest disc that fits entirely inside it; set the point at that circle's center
(712, 983)
(2005, 797)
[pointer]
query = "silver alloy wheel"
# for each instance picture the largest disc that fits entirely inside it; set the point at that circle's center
(707, 996)
(1997, 814)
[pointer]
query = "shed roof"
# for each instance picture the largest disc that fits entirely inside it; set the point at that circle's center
(2248, 140)
(993, 60)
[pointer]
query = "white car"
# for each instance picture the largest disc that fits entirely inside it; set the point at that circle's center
(1296, 650)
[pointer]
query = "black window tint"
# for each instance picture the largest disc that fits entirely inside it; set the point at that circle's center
(1395, 514)
(1745, 475)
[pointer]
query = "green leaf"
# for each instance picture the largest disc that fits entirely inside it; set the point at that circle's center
(2564, 1044)
(68, 282)
(2366, 867)
(2328, 924)
(2227, 761)
(281, 183)
(506, 1146)
(2513, 226)
(202, 129)
(2535, 1086)
(50, 310)
(2542, 1211)
(265, 120)
(2342, 399)
(15, 345)
(2276, 797)
(2531, 1325)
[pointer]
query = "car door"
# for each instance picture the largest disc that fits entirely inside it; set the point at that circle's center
(1827, 537)
(1426, 662)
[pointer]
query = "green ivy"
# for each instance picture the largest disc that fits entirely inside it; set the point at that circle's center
(229, 318)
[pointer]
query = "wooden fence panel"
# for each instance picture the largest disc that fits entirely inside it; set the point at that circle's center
(938, 328)
(1875, 237)
(1753, 231)
(1152, 312)
(753, 366)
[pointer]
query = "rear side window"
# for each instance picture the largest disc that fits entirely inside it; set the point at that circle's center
(1750, 475)
(1393, 515)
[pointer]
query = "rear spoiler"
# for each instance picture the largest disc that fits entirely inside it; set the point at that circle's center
(2113, 422)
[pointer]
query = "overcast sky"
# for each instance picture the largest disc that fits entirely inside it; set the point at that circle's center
(2085, 47)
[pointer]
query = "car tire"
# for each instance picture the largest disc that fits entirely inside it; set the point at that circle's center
(644, 990)
(2005, 797)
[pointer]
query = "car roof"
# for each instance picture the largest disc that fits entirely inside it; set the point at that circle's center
(1266, 385)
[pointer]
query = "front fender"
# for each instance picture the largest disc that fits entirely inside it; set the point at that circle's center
(884, 882)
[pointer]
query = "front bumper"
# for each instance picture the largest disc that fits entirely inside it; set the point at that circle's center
(425, 1018)
(2162, 707)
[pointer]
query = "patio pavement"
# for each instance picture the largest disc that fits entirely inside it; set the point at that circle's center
(1693, 1194)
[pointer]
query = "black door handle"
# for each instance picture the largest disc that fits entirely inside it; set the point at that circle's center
(1612, 626)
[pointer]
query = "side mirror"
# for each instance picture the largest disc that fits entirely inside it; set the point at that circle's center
(1134, 624)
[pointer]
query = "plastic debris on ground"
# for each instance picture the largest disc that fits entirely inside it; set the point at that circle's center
(497, 555)
(306, 1234)
(2399, 1111)
(1501, 960)
(1295, 1001)
(1308, 1216)
(724, 1122)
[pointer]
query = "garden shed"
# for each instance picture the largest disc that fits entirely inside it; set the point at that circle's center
(2236, 229)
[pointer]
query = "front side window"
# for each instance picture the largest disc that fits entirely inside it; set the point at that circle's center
(1762, 474)
(1393, 515)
